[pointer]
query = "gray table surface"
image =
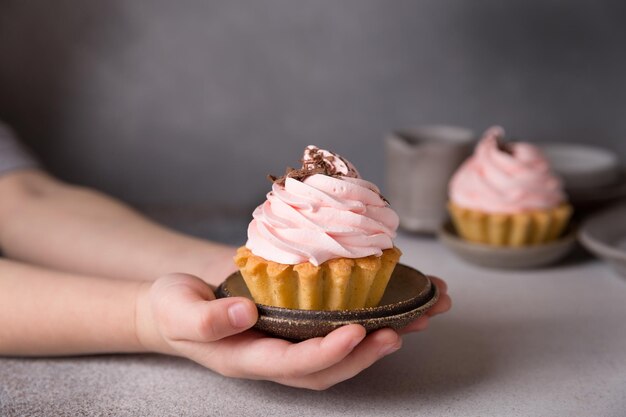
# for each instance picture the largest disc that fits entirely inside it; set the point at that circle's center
(548, 342)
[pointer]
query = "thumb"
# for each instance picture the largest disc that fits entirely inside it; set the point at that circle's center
(187, 310)
(214, 320)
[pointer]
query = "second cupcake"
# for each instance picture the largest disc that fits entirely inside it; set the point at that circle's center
(506, 195)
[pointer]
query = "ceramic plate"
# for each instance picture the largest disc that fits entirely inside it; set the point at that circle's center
(582, 166)
(593, 197)
(409, 295)
(592, 176)
(507, 258)
(604, 234)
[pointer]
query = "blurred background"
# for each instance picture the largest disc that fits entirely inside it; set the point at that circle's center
(182, 108)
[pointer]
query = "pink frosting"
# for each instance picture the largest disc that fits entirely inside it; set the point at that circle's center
(322, 217)
(497, 181)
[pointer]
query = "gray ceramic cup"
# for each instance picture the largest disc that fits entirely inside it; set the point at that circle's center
(420, 163)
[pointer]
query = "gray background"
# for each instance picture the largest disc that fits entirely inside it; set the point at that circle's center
(185, 106)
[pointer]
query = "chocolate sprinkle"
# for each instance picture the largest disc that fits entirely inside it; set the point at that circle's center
(318, 164)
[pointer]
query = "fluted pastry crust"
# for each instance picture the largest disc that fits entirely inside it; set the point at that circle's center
(516, 229)
(337, 284)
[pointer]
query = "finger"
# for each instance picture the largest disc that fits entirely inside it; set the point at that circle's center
(269, 358)
(186, 309)
(441, 306)
(377, 345)
(208, 321)
(441, 284)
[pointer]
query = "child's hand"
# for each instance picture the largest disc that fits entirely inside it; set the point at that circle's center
(179, 315)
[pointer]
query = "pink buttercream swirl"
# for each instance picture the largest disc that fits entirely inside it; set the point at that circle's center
(322, 217)
(508, 178)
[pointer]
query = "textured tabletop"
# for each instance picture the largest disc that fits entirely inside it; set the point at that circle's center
(537, 343)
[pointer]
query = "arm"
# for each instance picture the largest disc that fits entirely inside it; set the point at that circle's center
(49, 223)
(45, 312)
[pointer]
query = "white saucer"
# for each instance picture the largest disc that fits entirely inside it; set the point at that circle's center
(583, 167)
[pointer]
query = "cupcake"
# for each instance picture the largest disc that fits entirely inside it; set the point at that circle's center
(506, 195)
(322, 240)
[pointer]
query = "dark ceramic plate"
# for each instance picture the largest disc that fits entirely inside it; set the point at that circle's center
(505, 257)
(409, 295)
